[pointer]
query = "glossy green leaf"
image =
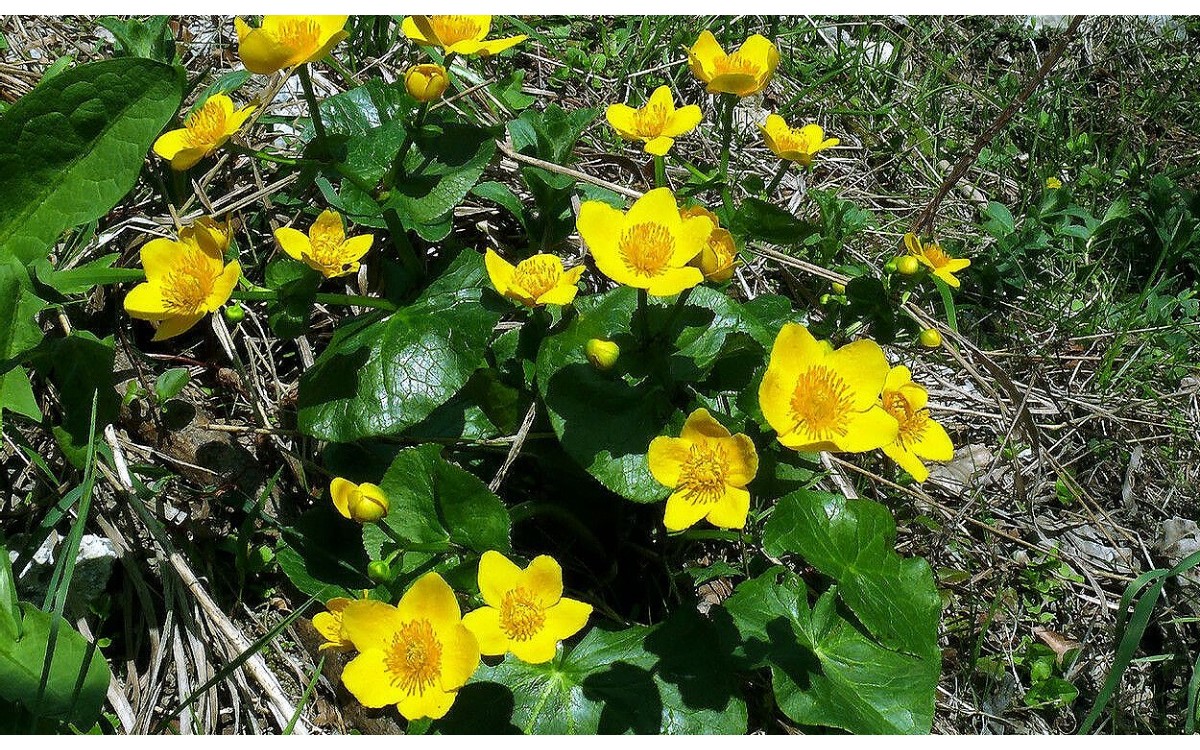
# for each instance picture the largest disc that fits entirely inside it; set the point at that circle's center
(758, 220)
(380, 376)
(323, 555)
(19, 306)
(83, 278)
(16, 395)
(73, 147)
(853, 542)
(10, 613)
(169, 384)
(82, 365)
(824, 670)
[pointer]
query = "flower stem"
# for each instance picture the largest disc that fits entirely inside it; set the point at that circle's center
(730, 102)
(784, 165)
(643, 313)
(389, 181)
(314, 111)
(680, 302)
(660, 171)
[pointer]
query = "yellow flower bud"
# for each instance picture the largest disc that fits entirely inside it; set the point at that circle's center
(426, 82)
(362, 503)
(602, 354)
(931, 338)
(908, 265)
(838, 288)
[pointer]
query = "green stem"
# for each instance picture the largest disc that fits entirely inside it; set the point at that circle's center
(680, 302)
(408, 546)
(660, 171)
(389, 181)
(643, 316)
(247, 151)
(314, 111)
(784, 165)
(726, 140)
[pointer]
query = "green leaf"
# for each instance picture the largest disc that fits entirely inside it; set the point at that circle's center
(323, 555)
(151, 38)
(297, 285)
(852, 541)
(19, 306)
(379, 377)
(16, 395)
(551, 133)
(171, 383)
(434, 502)
(10, 613)
(758, 220)
(666, 679)
(83, 278)
(226, 84)
(82, 365)
(78, 678)
(999, 220)
(73, 147)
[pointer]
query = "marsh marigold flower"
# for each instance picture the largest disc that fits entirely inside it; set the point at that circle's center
(920, 437)
(325, 248)
(415, 655)
(657, 124)
(462, 35)
(287, 41)
(538, 280)
(795, 144)
(709, 469)
(362, 503)
(745, 72)
(426, 82)
(203, 132)
(186, 279)
(526, 612)
(647, 248)
(932, 256)
(719, 254)
(329, 625)
(819, 399)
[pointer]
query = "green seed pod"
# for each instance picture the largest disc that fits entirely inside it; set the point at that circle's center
(234, 313)
(380, 572)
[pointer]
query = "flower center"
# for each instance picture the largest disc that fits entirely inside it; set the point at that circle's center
(822, 402)
(453, 29)
(912, 423)
(935, 255)
(206, 126)
(189, 283)
(521, 615)
(735, 64)
(414, 660)
(537, 275)
(702, 477)
(650, 120)
(796, 140)
(647, 248)
(298, 34)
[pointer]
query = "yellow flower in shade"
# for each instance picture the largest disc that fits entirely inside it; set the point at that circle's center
(819, 399)
(1053, 183)
(462, 35)
(709, 469)
(426, 82)
(647, 248)
(287, 41)
(362, 503)
(526, 612)
(186, 279)
(329, 625)
(933, 257)
(325, 248)
(415, 655)
(539, 280)
(203, 132)
(920, 437)
(657, 124)
(745, 72)
(718, 257)
(795, 144)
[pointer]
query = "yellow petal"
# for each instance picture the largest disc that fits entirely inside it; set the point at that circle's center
(934, 443)
(355, 248)
(659, 146)
(622, 118)
(223, 287)
(421, 33)
(467, 47)
(946, 276)
(692, 238)
(812, 133)
(657, 207)
(330, 26)
(159, 257)
(242, 28)
(497, 576)
(740, 84)
(703, 55)
(370, 624)
(661, 97)
(683, 121)
(460, 656)
(261, 54)
(543, 579)
(957, 264)
(367, 678)
(863, 367)
(868, 430)
(432, 704)
(742, 458)
(175, 325)
(538, 649)
(327, 47)
(171, 143)
(913, 244)
(499, 270)
(562, 294)
(294, 242)
(674, 280)
(566, 618)
(145, 302)
(701, 426)
(430, 598)
(731, 510)
(666, 457)
(764, 54)
(681, 513)
(484, 623)
(328, 226)
(600, 225)
(496, 46)
(187, 158)
(906, 460)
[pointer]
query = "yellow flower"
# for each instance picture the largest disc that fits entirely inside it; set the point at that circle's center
(539, 280)
(526, 612)
(287, 41)
(203, 132)
(326, 247)
(795, 144)
(362, 503)
(1053, 183)
(717, 258)
(935, 258)
(462, 35)
(647, 248)
(819, 399)
(415, 655)
(657, 124)
(329, 625)
(745, 72)
(186, 279)
(920, 436)
(603, 354)
(426, 82)
(709, 469)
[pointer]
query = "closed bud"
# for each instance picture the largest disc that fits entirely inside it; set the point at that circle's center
(602, 354)
(890, 266)
(426, 82)
(362, 503)
(931, 338)
(908, 265)
(380, 572)
(839, 288)
(234, 313)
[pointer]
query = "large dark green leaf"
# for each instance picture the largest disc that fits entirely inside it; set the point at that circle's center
(758, 220)
(73, 147)
(852, 541)
(667, 679)
(19, 306)
(81, 367)
(381, 376)
(323, 555)
(824, 670)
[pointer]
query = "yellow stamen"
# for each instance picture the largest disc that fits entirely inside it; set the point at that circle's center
(650, 120)
(537, 276)
(647, 248)
(735, 64)
(454, 29)
(298, 34)
(521, 615)
(935, 255)
(206, 125)
(414, 660)
(189, 283)
(822, 402)
(702, 477)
